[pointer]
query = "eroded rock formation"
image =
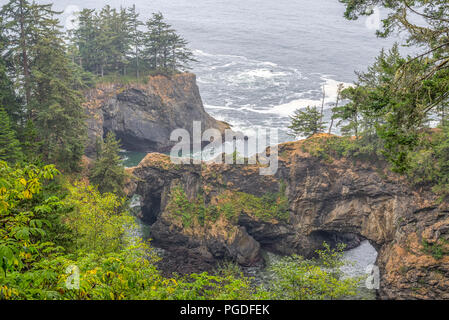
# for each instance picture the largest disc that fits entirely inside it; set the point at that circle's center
(207, 213)
(144, 115)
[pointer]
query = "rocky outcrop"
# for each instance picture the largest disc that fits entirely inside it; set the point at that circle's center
(144, 115)
(219, 211)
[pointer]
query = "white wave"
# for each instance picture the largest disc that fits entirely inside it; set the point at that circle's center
(208, 106)
(331, 88)
(257, 74)
(287, 109)
(201, 53)
(234, 59)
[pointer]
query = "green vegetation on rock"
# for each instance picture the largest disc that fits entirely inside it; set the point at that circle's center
(230, 205)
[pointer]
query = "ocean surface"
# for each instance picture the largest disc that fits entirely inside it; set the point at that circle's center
(260, 60)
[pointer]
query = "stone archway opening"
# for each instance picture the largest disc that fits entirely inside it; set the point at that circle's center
(151, 209)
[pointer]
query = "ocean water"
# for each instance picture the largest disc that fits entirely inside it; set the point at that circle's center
(260, 60)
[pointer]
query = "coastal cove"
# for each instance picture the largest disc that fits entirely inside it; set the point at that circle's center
(217, 152)
(357, 259)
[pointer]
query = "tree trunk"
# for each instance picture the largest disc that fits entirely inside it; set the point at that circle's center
(340, 86)
(322, 107)
(137, 63)
(25, 64)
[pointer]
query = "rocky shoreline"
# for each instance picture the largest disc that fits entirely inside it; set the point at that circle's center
(339, 201)
(143, 115)
(204, 214)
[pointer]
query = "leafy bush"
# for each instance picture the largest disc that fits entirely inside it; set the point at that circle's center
(230, 205)
(24, 215)
(98, 220)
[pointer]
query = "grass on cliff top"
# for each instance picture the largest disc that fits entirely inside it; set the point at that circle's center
(132, 78)
(330, 146)
(229, 204)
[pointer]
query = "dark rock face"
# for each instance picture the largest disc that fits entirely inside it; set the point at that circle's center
(334, 202)
(144, 115)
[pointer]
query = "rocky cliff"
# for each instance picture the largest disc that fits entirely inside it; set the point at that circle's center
(144, 115)
(205, 213)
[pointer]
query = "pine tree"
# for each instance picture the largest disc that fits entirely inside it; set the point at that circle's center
(154, 41)
(306, 123)
(9, 145)
(136, 36)
(59, 118)
(180, 56)
(349, 114)
(164, 49)
(108, 171)
(21, 21)
(8, 97)
(84, 40)
(339, 90)
(111, 40)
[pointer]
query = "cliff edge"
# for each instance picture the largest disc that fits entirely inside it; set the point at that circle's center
(206, 213)
(143, 115)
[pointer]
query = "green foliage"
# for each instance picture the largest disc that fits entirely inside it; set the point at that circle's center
(437, 250)
(228, 205)
(366, 148)
(111, 265)
(47, 87)
(307, 122)
(112, 42)
(399, 96)
(108, 172)
(24, 215)
(98, 220)
(9, 145)
(429, 163)
(349, 114)
(298, 279)
(164, 50)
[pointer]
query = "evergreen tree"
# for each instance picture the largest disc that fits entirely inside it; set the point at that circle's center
(339, 90)
(21, 22)
(306, 123)
(180, 56)
(84, 40)
(136, 38)
(8, 97)
(31, 143)
(108, 171)
(349, 114)
(408, 91)
(9, 145)
(59, 115)
(164, 50)
(110, 41)
(154, 39)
